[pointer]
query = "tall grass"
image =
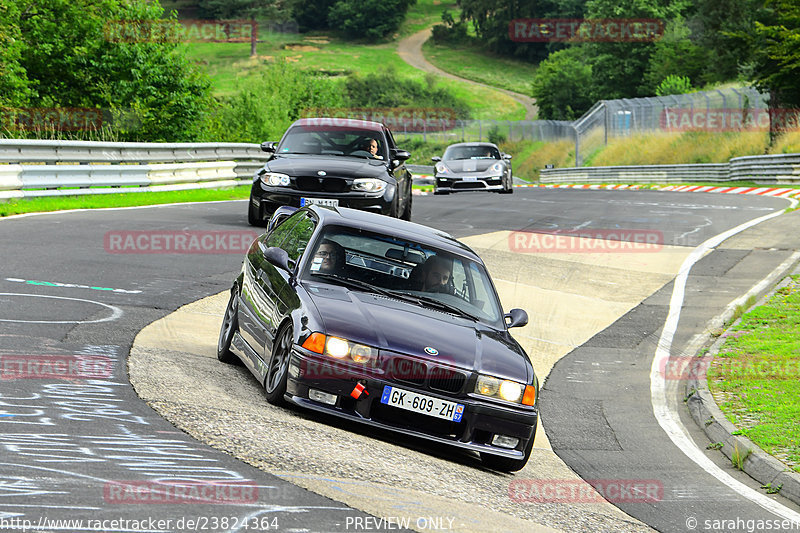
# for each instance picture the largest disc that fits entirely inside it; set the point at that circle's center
(788, 143)
(677, 148)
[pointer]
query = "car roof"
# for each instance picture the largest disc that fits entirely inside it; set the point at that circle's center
(329, 122)
(354, 218)
(473, 144)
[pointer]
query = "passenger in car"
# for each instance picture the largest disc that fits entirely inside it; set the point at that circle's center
(434, 275)
(329, 258)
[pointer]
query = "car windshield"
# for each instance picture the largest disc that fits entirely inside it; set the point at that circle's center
(405, 269)
(333, 140)
(471, 152)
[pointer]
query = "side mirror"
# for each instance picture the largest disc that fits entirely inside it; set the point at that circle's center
(401, 155)
(280, 214)
(277, 257)
(516, 318)
(436, 158)
(268, 147)
(506, 156)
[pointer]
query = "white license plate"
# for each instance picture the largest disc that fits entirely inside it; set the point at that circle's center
(330, 202)
(469, 178)
(420, 403)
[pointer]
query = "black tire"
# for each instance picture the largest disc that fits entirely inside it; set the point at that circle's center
(278, 366)
(230, 324)
(508, 188)
(254, 215)
(407, 211)
(506, 464)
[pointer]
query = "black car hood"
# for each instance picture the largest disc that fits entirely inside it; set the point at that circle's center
(405, 328)
(339, 166)
(470, 165)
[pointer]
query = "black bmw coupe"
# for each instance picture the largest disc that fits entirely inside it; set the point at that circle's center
(333, 162)
(384, 322)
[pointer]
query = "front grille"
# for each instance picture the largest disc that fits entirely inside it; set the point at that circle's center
(444, 379)
(469, 185)
(408, 371)
(426, 375)
(320, 184)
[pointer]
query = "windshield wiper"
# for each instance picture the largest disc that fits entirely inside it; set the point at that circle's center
(353, 283)
(438, 304)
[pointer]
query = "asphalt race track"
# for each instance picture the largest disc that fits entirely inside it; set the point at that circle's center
(78, 443)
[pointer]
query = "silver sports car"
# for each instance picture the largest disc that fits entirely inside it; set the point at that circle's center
(475, 166)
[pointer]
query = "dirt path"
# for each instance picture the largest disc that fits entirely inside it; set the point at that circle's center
(410, 50)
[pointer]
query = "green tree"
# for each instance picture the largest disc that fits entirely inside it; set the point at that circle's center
(368, 19)
(491, 19)
(311, 14)
(14, 90)
(717, 27)
(248, 9)
(562, 85)
(619, 68)
(676, 54)
(115, 55)
(775, 47)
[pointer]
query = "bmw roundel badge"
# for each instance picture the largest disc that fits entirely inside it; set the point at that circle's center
(431, 351)
(321, 173)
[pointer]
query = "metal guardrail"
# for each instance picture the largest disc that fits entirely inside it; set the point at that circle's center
(773, 169)
(38, 151)
(55, 168)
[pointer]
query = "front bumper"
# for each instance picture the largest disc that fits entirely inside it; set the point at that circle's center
(452, 183)
(273, 197)
(481, 420)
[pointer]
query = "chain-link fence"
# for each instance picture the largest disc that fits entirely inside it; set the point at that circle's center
(733, 108)
(718, 110)
(486, 130)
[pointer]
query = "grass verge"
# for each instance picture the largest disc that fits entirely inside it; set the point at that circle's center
(473, 63)
(98, 201)
(755, 378)
(95, 201)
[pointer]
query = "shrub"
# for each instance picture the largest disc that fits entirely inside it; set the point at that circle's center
(673, 84)
(386, 89)
(495, 135)
(449, 31)
(262, 109)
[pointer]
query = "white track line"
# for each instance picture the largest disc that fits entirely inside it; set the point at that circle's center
(667, 414)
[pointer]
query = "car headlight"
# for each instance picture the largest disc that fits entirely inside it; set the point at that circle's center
(275, 179)
(441, 168)
(368, 185)
(339, 348)
(505, 389)
(497, 167)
